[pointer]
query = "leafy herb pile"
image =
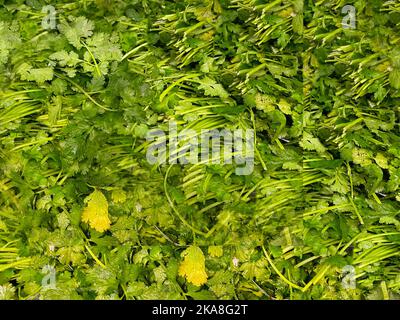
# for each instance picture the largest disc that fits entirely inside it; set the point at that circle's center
(79, 198)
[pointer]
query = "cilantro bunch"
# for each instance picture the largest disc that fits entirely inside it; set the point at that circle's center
(80, 201)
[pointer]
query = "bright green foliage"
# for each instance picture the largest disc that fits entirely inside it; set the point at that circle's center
(77, 192)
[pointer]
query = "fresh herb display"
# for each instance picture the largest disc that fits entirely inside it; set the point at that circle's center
(85, 215)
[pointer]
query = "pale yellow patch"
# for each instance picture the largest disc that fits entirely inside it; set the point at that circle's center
(96, 212)
(193, 266)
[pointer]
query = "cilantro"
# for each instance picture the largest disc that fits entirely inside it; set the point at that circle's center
(78, 194)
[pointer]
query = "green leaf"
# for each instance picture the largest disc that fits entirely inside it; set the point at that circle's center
(79, 28)
(212, 88)
(40, 75)
(394, 78)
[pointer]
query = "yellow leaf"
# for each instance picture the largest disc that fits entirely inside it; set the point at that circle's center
(193, 266)
(96, 212)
